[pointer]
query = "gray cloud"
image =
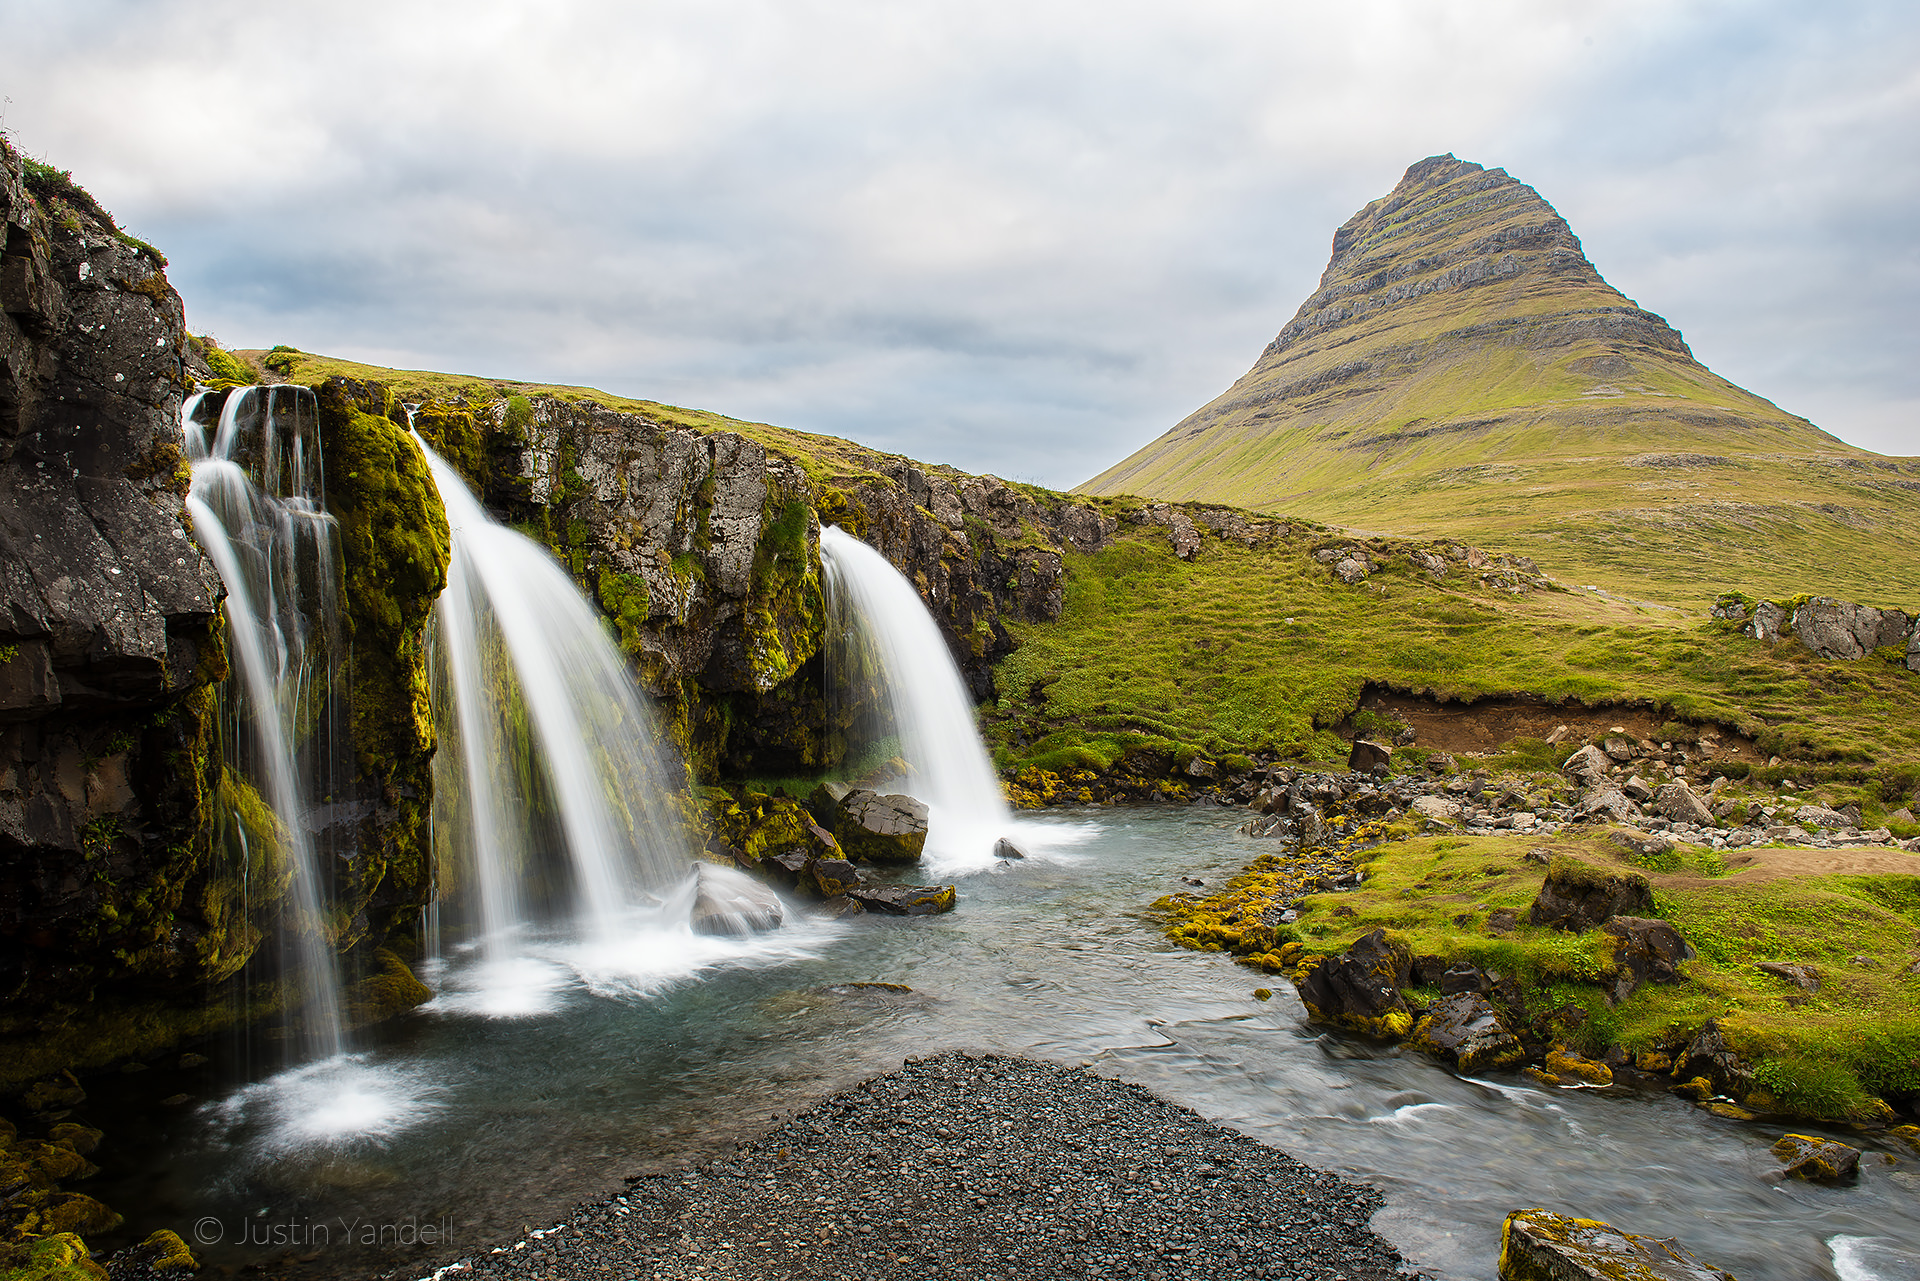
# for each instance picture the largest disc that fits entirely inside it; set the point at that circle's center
(1023, 238)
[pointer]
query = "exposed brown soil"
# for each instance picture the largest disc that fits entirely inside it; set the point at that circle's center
(1489, 724)
(1751, 866)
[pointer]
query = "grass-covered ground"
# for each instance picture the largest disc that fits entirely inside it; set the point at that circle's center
(1829, 1053)
(1244, 650)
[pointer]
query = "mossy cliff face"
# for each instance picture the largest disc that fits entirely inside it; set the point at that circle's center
(702, 549)
(393, 533)
(109, 642)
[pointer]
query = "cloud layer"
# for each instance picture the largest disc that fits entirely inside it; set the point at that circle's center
(1022, 238)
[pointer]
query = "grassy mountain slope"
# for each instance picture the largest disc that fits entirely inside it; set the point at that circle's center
(1463, 371)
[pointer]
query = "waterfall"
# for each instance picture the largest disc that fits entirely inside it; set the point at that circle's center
(546, 741)
(882, 636)
(259, 512)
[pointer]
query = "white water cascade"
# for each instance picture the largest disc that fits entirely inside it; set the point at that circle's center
(545, 741)
(880, 631)
(259, 512)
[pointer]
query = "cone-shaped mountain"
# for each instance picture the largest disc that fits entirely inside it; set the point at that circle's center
(1463, 370)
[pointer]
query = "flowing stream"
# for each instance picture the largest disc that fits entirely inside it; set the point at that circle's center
(495, 1124)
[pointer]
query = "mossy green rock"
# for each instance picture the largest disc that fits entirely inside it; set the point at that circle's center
(60, 1257)
(394, 542)
(1538, 1245)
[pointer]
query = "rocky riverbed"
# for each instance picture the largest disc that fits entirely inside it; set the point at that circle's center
(972, 1166)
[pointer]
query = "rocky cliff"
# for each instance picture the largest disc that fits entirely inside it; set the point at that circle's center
(1463, 369)
(700, 542)
(125, 919)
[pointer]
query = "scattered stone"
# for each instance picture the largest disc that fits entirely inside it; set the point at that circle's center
(1620, 749)
(1636, 789)
(1437, 808)
(905, 900)
(1366, 754)
(1577, 896)
(1816, 1160)
(1538, 1245)
(1004, 848)
(1804, 977)
(1353, 569)
(880, 829)
(1677, 802)
(1821, 816)
(1643, 847)
(1588, 765)
(1606, 802)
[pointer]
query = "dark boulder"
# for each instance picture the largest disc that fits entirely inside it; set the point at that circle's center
(1709, 1057)
(905, 900)
(1645, 950)
(880, 829)
(1004, 848)
(1360, 987)
(830, 877)
(1577, 896)
(1367, 754)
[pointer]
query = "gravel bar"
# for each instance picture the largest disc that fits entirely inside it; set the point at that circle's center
(973, 1166)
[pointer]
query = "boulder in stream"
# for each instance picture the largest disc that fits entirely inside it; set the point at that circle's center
(1360, 987)
(1817, 1160)
(1538, 1245)
(905, 900)
(727, 902)
(1464, 1030)
(880, 829)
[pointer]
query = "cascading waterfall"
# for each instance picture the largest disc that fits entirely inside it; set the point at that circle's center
(259, 511)
(882, 636)
(552, 742)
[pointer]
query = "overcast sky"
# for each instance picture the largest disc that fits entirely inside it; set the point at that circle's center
(1023, 238)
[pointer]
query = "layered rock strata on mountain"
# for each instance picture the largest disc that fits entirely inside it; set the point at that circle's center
(1463, 368)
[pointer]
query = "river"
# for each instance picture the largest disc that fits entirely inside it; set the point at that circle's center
(507, 1100)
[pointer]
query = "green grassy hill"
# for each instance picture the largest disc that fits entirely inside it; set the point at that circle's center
(1464, 372)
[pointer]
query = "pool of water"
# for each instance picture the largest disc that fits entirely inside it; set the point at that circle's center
(515, 1095)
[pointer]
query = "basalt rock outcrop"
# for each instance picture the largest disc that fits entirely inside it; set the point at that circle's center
(1836, 630)
(126, 916)
(109, 637)
(699, 538)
